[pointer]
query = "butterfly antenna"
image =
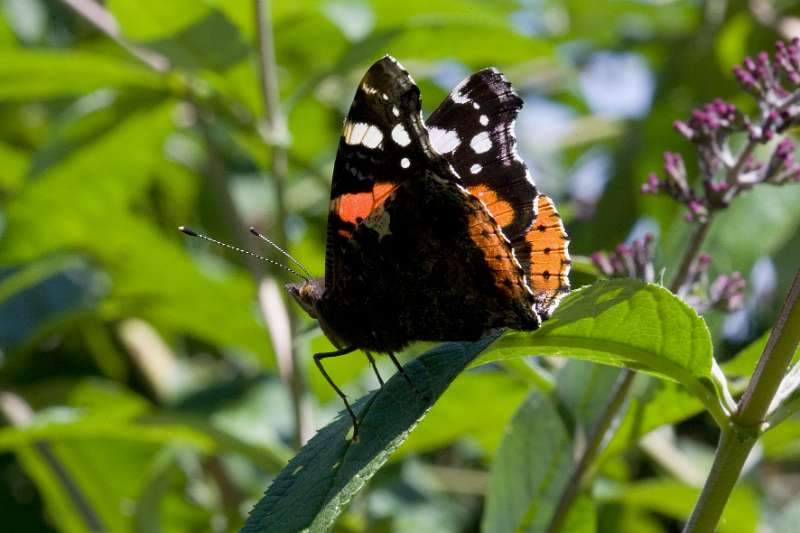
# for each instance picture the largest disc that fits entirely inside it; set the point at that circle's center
(193, 233)
(261, 236)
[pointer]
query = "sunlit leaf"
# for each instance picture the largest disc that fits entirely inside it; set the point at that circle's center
(628, 323)
(29, 74)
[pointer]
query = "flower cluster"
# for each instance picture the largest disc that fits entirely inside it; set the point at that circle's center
(628, 261)
(725, 293)
(725, 173)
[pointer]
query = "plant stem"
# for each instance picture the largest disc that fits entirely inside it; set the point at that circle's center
(690, 254)
(597, 439)
(740, 436)
(99, 17)
(774, 362)
(276, 123)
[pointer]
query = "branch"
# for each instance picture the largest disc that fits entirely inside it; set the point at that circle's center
(597, 440)
(99, 17)
(740, 436)
(276, 124)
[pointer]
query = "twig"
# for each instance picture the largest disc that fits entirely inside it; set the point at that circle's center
(742, 433)
(276, 124)
(774, 362)
(597, 439)
(695, 242)
(100, 18)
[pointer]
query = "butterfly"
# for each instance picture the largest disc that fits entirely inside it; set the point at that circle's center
(436, 230)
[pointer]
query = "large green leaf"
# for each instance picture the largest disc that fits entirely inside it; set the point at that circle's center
(633, 324)
(30, 74)
(317, 483)
(530, 470)
(535, 459)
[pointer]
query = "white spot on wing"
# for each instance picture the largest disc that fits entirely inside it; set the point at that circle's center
(395, 111)
(372, 138)
(354, 132)
(444, 141)
(405, 163)
(481, 143)
(484, 120)
(475, 168)
(476, 105)
(400, 135)
(362, 133)
(456, 94)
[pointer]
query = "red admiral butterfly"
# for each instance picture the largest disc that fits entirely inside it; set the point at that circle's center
(436, 231)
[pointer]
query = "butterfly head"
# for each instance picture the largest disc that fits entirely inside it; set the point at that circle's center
(308, 293)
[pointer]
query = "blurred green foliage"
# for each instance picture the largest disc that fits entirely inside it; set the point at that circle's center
(138, 382)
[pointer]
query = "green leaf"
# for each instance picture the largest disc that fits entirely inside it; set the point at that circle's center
(530, 469)
(319, 482)
(478, 405)
(582, 517)
(660, 402)
(152, 275)
(58, 499)
(754, 237)
(533, 464)
(14, 163)
(782, 442)
(744, 363)
(29, 74)
(674, 499)
(633, 324)
(145, 20)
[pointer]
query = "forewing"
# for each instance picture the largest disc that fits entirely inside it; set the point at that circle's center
(379, 149)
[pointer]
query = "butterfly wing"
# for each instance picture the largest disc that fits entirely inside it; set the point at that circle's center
(474, 130)
(379, 150)
(412, 255)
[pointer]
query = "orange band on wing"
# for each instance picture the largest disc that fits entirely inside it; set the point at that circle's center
(501, 210)
(549, 259)
(355, 207)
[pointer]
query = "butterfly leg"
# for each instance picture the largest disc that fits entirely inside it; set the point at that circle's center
(374, 368)
(403, 373)
(318, 357)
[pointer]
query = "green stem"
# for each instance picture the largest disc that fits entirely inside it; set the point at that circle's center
(740, 436)
(596, 441)
(732, 451)
(695, 242)
(276, 123)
